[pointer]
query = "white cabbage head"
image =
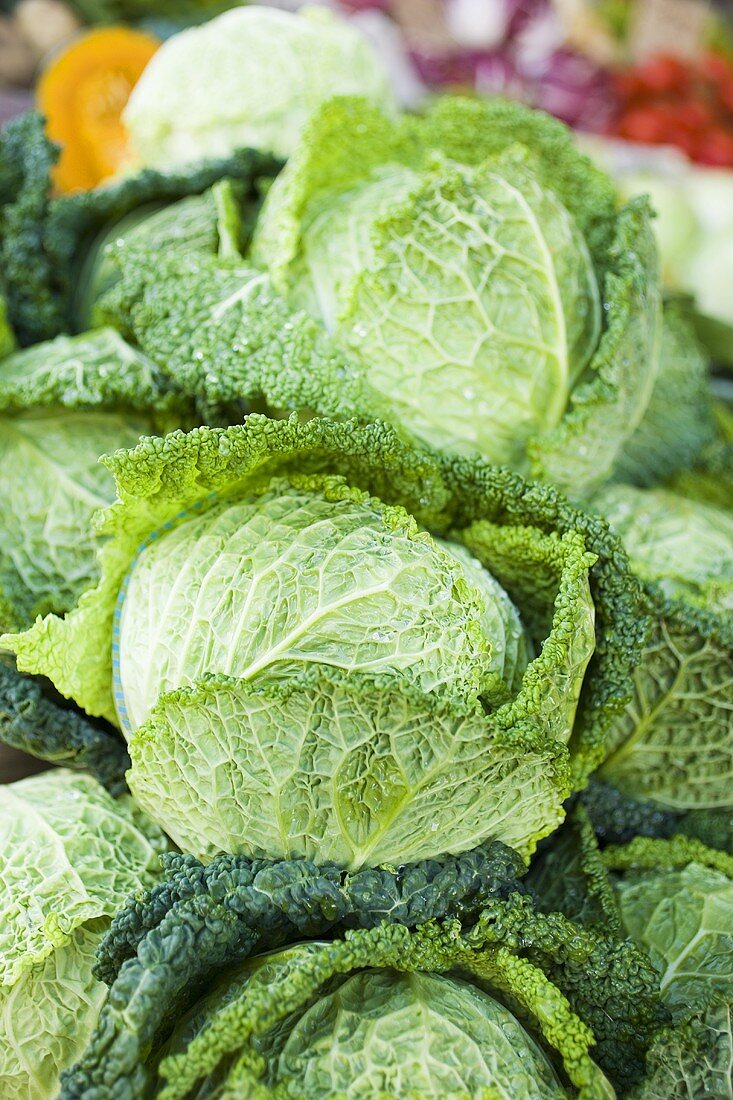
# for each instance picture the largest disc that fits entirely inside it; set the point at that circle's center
(249, 78)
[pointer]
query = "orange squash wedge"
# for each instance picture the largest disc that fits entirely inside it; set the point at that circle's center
(82, 94)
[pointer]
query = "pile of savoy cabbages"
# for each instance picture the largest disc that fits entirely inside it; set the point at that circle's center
(386, 652)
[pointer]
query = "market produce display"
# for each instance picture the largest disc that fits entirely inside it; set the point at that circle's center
(367, 569)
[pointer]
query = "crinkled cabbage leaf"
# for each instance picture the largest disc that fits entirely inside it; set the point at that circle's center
(346, 769)
(70, 855)
(678, 424)
(63, 404)
(684, 918)
(48, 243)
(300, 1023)
(685, 545)
(467, 277)
(380, 1032)
(48, 1015)
(674, 741)
(694, 1060)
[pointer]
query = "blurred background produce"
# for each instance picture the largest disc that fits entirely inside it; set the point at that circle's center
(694, 226)
(594, 63)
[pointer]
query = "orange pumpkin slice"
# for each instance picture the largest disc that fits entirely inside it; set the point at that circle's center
(82, 93)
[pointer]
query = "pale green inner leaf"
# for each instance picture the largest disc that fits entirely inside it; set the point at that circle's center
(350, 771)
(468, 294)
(381, 1033)
(272, 582)
(47, 1018)
(48, 545)
(685, 920)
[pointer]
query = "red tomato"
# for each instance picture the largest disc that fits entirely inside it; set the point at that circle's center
(669, 117)
(647, 124)
(630, 85)
(716, 148)
(716, 68)
(665, 74)
(693, 116)
(688, 141)
(725, 93)
(668, 101)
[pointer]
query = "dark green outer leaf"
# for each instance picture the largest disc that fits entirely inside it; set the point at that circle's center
(717, 336)
(569, 875)
(621, 625)
(74, 221)
(315, 899)
(181, 12)
(31, 722)
(607, 981)
(203, 919)
(43, 240)
(26, 160)
(618, 817)
(173, 965)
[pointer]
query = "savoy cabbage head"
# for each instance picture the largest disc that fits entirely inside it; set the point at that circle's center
(384, 1033)
(673, 897)
(372, 1011)
(474, 265)
(465, 275)
(48, 243)
(70, 855)
(255, 627)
